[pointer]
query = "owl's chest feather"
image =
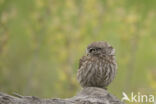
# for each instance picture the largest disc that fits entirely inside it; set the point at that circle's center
(94, 67)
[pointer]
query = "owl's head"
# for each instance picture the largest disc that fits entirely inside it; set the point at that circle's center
(100, 48)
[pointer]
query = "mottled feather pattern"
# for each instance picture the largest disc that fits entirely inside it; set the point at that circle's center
(97, 70)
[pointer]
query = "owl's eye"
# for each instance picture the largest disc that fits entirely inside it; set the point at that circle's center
(91, 50)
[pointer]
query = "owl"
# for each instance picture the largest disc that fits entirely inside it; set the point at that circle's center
(98, 67)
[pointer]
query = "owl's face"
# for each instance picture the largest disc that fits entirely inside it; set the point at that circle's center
(100, 48)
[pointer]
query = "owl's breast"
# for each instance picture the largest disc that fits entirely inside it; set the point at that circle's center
(95, 72)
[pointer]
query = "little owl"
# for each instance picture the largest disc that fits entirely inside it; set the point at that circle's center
(98, 67)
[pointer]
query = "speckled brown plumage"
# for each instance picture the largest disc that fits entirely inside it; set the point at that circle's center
(98, 67)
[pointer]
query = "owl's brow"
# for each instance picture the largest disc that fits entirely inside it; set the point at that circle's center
(98, 48)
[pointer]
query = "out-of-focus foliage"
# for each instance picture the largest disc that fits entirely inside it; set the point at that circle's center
(41, 42)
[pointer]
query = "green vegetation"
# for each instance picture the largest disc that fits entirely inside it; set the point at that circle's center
(41, 42)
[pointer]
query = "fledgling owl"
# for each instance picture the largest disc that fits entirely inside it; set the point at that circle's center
(98, 67)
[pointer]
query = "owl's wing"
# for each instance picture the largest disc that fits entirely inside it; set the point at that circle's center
(82, 60)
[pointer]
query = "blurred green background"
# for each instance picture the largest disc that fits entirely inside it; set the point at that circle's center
(41, 42)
